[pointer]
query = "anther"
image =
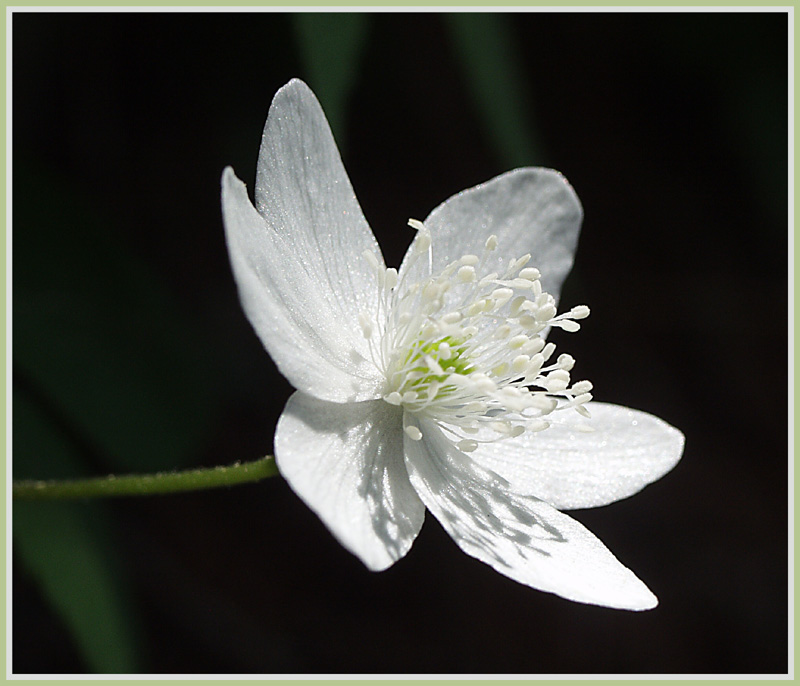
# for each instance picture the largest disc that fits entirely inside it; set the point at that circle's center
(413, 433)
(430, 330)
(568, 325)
(556, 381)
(537, 425)
(484, 384)
(534, 366)
(430, 291)
(500, 427)
(466, 274)
(502, 296)
(517, 341)
(579, 312)
(544, 404)
(475, 308)
(366, 325)
(566, 361)
(581, 387)
(516, 305)
(433, 365)
(502, 331)
(423, 241)
(546, 313)
(516, 265)
(533, 346)
(520, 363)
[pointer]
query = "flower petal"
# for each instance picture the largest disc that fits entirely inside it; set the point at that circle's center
(304, 193)
(587, 462)
(346, 462)
(530, 210)
(299, 263)
(518, 535)
(300, 320)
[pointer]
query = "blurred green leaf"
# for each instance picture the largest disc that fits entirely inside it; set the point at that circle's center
(58, 546)
(69, 550)
(100, 338)
(484, 43)
(330, 45)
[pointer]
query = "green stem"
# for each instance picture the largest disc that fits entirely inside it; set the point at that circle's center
(146, 484)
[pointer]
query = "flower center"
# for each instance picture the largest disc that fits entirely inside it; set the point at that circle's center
(466, 347)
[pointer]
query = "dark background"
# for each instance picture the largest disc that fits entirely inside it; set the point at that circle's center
(131, 352)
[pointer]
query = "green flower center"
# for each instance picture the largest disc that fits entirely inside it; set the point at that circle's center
(448, 353)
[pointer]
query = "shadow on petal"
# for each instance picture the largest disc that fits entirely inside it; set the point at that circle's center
(519, 535)
(345, 461)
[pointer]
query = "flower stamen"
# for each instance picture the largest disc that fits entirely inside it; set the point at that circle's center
(466, 349)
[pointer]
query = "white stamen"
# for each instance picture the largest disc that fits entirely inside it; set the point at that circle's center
(566, 362)
(423, 242)
(464, 348)
(546, 313)
(520, 263)
(413, 433)
(466, 274)
(581, 387)
(366, 324)
(517, 342)
(520, 363)
(567, 325)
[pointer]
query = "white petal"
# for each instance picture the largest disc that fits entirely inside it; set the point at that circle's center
(618, 452)
(518, 535)
(301, 321)
(299, 264)
(304, 193)
(346, 462)
(530, 210)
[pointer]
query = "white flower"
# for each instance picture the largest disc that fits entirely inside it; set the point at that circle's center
(433, 387)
